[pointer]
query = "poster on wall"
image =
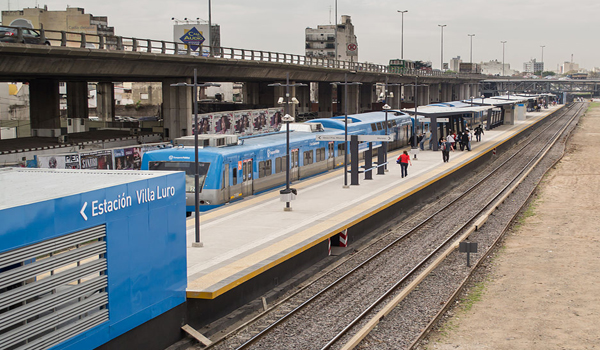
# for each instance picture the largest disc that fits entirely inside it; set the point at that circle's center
(223, 125)
(242, 123)
(59, 161)
(275, 115)
(97, 160)
(259, 121)
(127, 158)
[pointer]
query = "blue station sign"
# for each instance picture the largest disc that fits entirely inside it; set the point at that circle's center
(193, 38)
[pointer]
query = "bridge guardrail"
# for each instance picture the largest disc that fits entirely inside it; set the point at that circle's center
(120, 43)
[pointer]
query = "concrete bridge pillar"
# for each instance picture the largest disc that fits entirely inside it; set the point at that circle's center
(44, 112)
(407, 94)
(325, 100)
(177, 109)
(77, 100)
(395, 100)
(250, 93)
(105, 101)
(367, 92)
(302, 93)
(267, 96)
(353, 98)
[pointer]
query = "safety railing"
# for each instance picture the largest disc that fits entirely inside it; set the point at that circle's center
(120, 43)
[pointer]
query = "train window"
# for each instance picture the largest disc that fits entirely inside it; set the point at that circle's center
(308, 157)
(264, 168)
(320, 154)
(234, 172)
(373, 127)
(188, 168)
(341, 148)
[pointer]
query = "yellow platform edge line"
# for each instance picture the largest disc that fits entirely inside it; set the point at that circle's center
(212, 295)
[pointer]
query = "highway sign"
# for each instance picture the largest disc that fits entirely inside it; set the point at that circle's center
(376, 138)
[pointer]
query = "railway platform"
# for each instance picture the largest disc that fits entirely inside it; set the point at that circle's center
(252, 245)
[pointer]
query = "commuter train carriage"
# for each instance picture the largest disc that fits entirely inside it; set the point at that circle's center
(233, 167)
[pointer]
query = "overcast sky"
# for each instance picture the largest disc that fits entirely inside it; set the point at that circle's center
(564, 27)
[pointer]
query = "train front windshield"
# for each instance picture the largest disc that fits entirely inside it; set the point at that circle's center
(188, 167)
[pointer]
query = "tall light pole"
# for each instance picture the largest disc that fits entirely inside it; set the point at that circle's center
(386, 107)
(471, 57)
(442, 62)
(335, 32)
(402, 35)
(195, 86)
(416, 85)
(503, 44)
(287, 118)
(345, 84)
(210, 38)
(542, 46)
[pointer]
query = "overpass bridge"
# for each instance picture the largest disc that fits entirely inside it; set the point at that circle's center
(538, 86)
(79, 58)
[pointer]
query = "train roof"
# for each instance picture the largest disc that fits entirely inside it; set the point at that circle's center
(359, 120)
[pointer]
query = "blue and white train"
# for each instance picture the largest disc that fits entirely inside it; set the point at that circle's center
(232, 168)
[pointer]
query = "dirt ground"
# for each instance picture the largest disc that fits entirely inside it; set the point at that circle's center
(544, 288)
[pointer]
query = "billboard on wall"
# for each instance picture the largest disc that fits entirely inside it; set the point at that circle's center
(195, 30)
(127, 158)
(59, 161)
(96, 160)
(245, 122)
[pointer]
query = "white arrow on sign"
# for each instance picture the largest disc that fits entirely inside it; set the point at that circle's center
(82, 212)
(331, 138)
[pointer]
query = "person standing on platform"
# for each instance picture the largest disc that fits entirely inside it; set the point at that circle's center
(464, 140)
(404, 161)
(422, 142)
(469, 137)
(478, 133)
(446, 148)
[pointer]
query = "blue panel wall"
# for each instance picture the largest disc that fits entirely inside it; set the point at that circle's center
(146, 247)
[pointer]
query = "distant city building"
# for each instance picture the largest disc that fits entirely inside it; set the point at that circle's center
(320, 42)
(533, 66)
(212, 38)
(73, 19)
(469, 68)
(495, 68)
(569, 67)
(455, 64)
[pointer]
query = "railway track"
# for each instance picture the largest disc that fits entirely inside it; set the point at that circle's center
(340, 308)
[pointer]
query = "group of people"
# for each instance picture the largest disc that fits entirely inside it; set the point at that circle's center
(452, 142)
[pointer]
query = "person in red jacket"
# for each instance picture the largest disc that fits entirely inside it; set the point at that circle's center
(404, 161)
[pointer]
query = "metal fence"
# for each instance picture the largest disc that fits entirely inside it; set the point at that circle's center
(120, 43)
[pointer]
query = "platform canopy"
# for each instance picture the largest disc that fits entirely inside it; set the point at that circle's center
(439, 111)
(495, 101)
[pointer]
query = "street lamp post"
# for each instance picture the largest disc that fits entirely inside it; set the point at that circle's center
(336, 32)
(442, 63)
(345, 84)
(287, 118)
(416, 85)
(503, 44)
(471, 57)
(195, 86)
(210, 38)
(542, 46)
(402, 35)
(386, 107)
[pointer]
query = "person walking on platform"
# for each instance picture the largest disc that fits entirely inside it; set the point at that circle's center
(464, 140)
(446, 148)
(404, 161)
(479, 132)
(469, 137)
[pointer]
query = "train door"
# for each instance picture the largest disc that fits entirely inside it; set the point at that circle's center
(247, 187)
(225, 189)
(331, 156)
(294, 165)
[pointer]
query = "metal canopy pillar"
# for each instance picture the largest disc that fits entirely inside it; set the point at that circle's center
(44, 110)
